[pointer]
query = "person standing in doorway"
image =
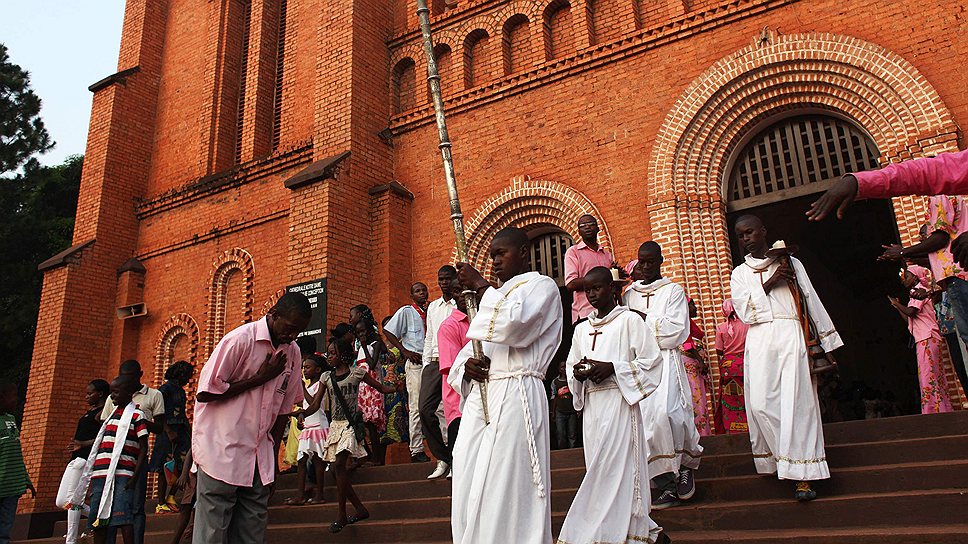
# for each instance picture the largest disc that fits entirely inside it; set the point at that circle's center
(566, 417)
(579, 259)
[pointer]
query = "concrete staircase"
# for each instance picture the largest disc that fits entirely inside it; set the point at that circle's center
(893, 480)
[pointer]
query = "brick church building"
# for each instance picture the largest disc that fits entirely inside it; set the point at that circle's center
(247, 146)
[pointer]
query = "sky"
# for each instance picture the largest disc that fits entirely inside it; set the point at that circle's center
(66, 45)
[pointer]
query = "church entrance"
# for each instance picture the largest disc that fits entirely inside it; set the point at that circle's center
(548, 247)
(777, 175)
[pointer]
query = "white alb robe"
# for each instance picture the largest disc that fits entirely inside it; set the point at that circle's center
(670, 423)
(781, 396)
(501, 489)
(612, 504)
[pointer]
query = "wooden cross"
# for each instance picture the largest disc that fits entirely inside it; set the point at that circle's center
(594, 336)
(648, 298)
(761, 272)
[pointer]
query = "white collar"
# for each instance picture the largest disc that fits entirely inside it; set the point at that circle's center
(642, 287)
(596, 321)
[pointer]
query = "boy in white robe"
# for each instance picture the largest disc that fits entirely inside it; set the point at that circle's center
(781, 395)
(501, 491)
(674, 450)
(613, 364)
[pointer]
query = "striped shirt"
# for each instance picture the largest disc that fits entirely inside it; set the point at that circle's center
(132, 448)
(13, 473)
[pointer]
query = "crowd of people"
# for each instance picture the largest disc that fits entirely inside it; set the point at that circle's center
(634, 389)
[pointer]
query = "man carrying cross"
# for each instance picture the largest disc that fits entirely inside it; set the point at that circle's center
(674, 450)
(781, 396)
(502, 471)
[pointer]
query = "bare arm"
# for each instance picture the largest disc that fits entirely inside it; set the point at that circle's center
(314, 402)
(577, 284)
(385, 389)
(938, 240)
(905, 311)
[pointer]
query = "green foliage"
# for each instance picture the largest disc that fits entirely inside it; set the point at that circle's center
(37, 211)
(22, 132)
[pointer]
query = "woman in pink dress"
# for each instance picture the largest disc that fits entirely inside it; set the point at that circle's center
(697, 371)
(730, 346)
(923, 324)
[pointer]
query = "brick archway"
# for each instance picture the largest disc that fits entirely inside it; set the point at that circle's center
(178, 327)
(236, 260)
(528, 204)
(875, 88)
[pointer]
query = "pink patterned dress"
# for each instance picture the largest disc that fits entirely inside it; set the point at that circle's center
(927, 337)
(371, 400)
(698, 380)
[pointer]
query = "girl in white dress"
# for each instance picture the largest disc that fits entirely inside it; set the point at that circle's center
(315, 428)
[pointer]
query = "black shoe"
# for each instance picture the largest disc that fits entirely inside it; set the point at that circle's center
(663, 539)
(804, 492)
(419, 458)
(667, 499)
(685, 484)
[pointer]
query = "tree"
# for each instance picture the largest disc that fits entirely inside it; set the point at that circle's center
(37, 209)
(22, 132)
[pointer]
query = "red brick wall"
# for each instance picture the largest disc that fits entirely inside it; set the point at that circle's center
(592, 128)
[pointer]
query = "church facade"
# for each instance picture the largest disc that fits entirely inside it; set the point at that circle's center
(249, 146)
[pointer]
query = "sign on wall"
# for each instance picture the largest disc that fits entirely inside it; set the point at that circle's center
(315, 291)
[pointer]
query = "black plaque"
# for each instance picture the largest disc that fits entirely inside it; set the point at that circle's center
(315, 291)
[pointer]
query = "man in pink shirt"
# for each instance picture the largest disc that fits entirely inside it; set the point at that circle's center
(249, 383)
(579, 259)
(451, 338)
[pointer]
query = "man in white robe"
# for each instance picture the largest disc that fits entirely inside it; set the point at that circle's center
(501, 491)
(781, 395)
(613, 364)
(674, 450)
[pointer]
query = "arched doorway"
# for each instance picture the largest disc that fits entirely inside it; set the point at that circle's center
(776, 173)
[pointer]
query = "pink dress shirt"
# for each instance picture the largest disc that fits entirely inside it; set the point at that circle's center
(579, 259)
(451, 338)
(946, 174)
(231, 437)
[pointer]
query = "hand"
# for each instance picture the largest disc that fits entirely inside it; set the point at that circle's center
(33, 492)
(891, 253)
(412, 356)
(919, 294)
(73, 446)
(476, 369)
(894, 301)
(272, 367)
(131, 483)
(581, 370)
(399, 386)
(470, 278)
(840, 196)
(959, 250)
(600, 371)
(783, 273)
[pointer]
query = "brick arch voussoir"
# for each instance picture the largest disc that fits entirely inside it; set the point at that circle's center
(525, 204)
(268, 304)
(181, 324)
(412, 51)
(227, 263)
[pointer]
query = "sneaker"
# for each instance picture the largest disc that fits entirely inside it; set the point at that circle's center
(667, 499)
(441, 470)
(419, 457)
(685, 484)
(804, 492)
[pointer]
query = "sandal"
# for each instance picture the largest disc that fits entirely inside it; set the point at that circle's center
(336, 527)
(357, 517)
(292, 501)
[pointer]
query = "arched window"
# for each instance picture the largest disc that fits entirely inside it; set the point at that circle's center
(548, 255)
(516, 44)
(559, 35)
(404, 86)
(230, 295)
(475, 59)
(796, 157)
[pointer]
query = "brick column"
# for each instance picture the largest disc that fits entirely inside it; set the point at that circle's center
(77, 312)
(391, 239)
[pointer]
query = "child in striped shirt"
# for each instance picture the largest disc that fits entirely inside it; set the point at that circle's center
(115, 487)
(14, 481)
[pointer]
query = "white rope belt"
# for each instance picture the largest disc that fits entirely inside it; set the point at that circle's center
(529, 427)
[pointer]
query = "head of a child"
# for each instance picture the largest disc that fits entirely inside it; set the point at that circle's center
(8, 397)
(600, 290)
(909, 280)
(561, 368)
(340, 353)
(131, 369)
(122, 390)
(180, 373)
(313, 367)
